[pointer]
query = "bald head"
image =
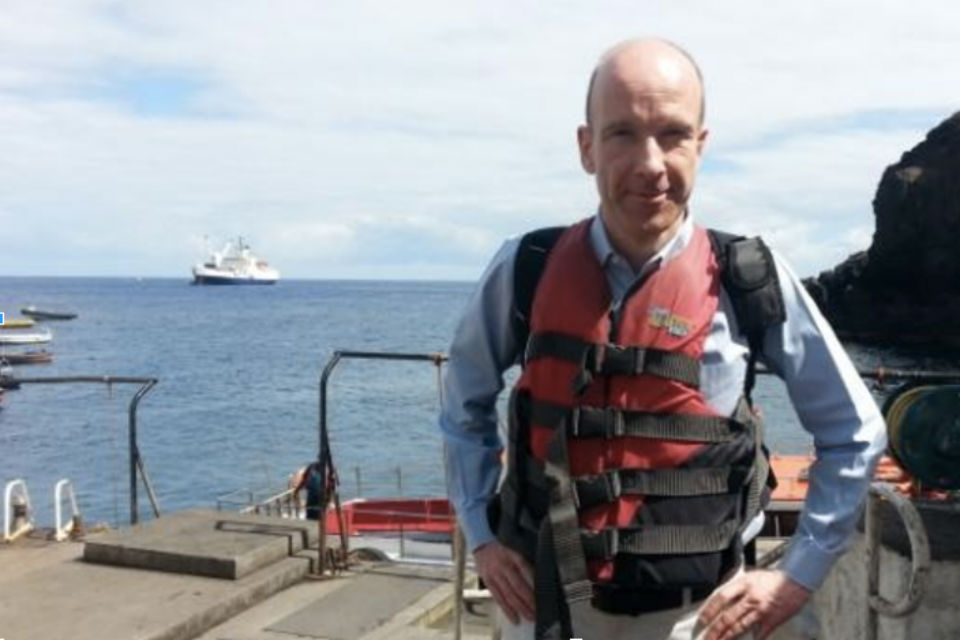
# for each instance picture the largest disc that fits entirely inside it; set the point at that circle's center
(646, 56)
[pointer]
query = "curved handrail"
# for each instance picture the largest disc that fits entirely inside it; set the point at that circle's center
(27, 526)
(910, 599)
(62, 531)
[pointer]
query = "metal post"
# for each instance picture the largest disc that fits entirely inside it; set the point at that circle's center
(135, 460)
(872, 531)
(460, 570)
(149, 487)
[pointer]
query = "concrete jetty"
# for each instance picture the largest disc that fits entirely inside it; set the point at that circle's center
(212, 574)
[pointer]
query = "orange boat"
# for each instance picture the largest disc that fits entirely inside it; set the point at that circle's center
(792, 472)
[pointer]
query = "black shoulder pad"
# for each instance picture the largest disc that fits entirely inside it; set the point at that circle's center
(750, 278)
(528, 266)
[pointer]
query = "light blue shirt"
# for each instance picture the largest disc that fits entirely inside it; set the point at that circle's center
(828, 395)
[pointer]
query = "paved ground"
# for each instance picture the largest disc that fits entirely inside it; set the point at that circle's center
(48, 592)
(51, 594)
(335, 610)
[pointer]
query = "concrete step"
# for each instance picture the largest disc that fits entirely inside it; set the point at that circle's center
(84, 601)
(217, 544)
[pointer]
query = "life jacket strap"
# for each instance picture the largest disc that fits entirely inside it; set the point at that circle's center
(606, 487)
(605, 422)
(762, 476)
(612, 359)
(562, 538)
(659, 540)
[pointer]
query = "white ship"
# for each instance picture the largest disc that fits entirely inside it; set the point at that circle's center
(234, 264)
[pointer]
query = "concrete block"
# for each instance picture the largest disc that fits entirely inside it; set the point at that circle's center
(217, 544)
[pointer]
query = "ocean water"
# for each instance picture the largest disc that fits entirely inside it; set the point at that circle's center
(237, 403)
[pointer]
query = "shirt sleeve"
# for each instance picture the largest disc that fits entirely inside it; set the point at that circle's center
(836, 408)
(483, 347)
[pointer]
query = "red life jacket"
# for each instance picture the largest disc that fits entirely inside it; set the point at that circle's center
(659, 479)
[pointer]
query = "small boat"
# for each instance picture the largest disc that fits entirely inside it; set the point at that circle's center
(17, 323)
(25, 337)
(234, 264)
(40, 314)
(27, 357)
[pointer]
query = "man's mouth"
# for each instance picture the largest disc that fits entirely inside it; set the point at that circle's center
(649, 196)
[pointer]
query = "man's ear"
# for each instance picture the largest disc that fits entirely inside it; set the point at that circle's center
(585, 143)
(702, 141)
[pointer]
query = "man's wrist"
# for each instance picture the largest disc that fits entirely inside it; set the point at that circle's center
(806, 564)
(476, 527)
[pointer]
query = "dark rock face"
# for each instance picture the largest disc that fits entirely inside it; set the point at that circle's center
(906, 287)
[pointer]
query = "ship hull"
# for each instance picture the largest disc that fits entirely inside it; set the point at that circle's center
(227, 280)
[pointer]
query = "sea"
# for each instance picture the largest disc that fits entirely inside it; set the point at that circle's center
(236, 407)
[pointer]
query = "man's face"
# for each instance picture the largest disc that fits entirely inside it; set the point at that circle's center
(643, 144)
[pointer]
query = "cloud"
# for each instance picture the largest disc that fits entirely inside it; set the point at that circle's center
(342, 139)
(809, 195)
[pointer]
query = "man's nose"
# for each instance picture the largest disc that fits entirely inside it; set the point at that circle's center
(649, 157)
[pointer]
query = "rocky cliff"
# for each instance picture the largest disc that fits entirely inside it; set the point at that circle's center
(906, 287)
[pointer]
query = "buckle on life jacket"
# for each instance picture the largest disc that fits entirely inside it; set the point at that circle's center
(594, 422)
(608, 360)
(614, 359)
(599, 489)
(599, 545)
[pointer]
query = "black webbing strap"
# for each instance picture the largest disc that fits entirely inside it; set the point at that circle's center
(528, 266)
(750, 278)
(659, 540)
(512, 507)
(755, 343)
(761, 469)
(565, 531)
(552, 613)
(611, 359)
(606, 487)
(597, 422)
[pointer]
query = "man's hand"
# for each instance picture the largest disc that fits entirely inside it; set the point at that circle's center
(758, 601)
(509, 577)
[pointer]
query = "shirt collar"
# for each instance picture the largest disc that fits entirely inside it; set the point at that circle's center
(605, 252)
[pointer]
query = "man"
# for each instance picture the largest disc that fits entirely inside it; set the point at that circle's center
(642, 141)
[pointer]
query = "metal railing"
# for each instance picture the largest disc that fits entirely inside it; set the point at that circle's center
(17, 510)
(283, 503)
(325, 464)
(136, 460)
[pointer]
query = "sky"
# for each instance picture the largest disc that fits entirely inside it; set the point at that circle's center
(359, 139)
